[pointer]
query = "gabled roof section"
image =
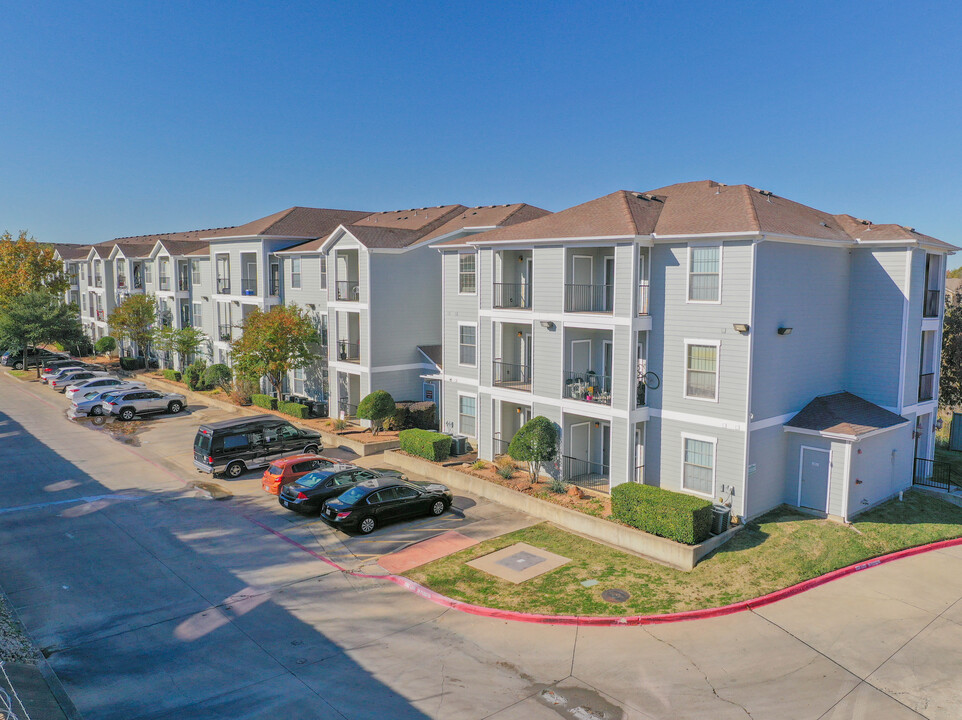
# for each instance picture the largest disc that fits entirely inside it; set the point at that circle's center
(844, 414)
(71, 251)
(131, 250)
(181, 247)
(432, 353)
(865, 231)
(297, 221)
(397, 229)
(487, 216)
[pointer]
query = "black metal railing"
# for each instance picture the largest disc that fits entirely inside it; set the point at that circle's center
(499, 446)
(584, 473)
(248, 286)
(641, 393)
(934, 473)
(348, 351)
(589, 298)
(138, 281)
(223, 286)
(639, 476)
(930, 306)
(926, 386)
(510, 375)
(512, 295)
(346, 409)
(98, 281)
(183, 283)
(587, 387)
(643, 297)
(163, 282)
(275, 289)
(347, 290)
(224, 332)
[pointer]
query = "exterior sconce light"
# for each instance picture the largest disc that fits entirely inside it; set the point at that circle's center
(597, 424)
(520, 258)
(547, 325)
(784, 331)
(518, 410)
(519, 333)
(740, 327)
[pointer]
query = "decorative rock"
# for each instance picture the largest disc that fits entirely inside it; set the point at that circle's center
(575, 492)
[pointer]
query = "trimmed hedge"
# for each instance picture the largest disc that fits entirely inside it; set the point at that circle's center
(426, 444)
(294, 409)
(409, 414)
(673, 515)
(218, 375)
(264, 401)
(131, 363)
(194, 375)
(172, 375)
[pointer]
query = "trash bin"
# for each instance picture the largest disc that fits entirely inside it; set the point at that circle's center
(720, 517)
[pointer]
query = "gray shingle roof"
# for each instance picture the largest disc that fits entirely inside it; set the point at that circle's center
(844, 414)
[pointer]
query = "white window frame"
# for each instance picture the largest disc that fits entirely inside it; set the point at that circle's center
(302, 380)
(714, 464)
(434, 393)
(474, 256)
(296, 285)
(475, 398)
(475, 326)
(721, 253)
(194, 266)
(322, 262)
(196, 314)
(148, 278)
(717, 345)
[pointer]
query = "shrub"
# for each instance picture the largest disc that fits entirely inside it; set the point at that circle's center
(479, 465)
(218, 375)
(673, 515)
(131, 363)
(105, 345)
(410, 414)
(339, 424)
(557, 485)
(194, 375)
(264, 401)
(425, 443)
(173, 375)
(504, 461)
(535, 443)
(294, 409)
(506, 471)
(377, 407)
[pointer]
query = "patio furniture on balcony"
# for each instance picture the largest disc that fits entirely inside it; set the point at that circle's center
(248, 286)
(588, 387)
(347, 290)
(224, 332)
(348, 351)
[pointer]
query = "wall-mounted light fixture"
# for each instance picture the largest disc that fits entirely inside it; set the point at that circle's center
(597, 424)
(784, 331)
(518, 410)
(520, 258)
(519, 333)
(740, 327)
(205, 297)
(547, 325)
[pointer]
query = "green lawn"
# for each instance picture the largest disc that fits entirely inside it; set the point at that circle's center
(23, 373)
(778, 549)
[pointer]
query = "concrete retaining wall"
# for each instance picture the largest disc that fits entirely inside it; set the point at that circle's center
(669, 552)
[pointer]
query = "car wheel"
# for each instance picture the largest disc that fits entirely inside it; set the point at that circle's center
(96, 410)
(438, 507)
(175, 407)
(127, 414)
(367, 525)
(234, 469)
(18, 366)
(311, 450)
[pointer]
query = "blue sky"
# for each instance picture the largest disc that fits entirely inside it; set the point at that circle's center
(132, 117)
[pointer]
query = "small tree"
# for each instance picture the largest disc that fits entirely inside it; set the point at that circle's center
(535, 443)
(377, 407)
(188, 341)
(218, 375)
(105, 345)
(275, 342)
(134, 320)
(28, 266)
(38, 317)
(164, 339)
(950, 380)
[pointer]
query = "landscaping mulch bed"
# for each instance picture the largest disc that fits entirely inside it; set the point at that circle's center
(15, 646)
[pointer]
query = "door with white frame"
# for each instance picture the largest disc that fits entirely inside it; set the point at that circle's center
(579, 289)
(813, 478)
(609, 295)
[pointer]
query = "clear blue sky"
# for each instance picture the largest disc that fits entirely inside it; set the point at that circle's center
(136, 117)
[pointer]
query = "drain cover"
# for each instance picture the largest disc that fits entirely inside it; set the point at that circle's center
(614, 595)
(520, 561)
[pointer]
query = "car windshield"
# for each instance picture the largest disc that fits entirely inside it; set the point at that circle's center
(313, 479)
(354, 495)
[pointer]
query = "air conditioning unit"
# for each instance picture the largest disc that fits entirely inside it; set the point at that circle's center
(459, 444)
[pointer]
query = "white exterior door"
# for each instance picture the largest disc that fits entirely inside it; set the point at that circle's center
(578, 441)
(813, 477)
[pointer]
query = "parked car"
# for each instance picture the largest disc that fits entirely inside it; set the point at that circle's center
(14, 357)
(56, 372)
(308, 493)
(127, 404)
(288, 469)
(233, 446)
(375, 502)
(50, 366)
(99, 383)
(65, 380)
(91, 402)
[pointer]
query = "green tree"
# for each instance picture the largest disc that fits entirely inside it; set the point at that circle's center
(188, 341)
(133, 320)
(39, 318)
(164, 340)
(105, 345)
(377, 407)
(950, 380)
(218, 375)
(535, 443)
(273, 343)
(28, 266)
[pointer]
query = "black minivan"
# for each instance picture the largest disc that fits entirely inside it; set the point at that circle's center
(233, 446)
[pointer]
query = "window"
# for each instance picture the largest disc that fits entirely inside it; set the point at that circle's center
(323, 260)
(287, 432)
(404, 493)
(232, 442)
(467, 282)
(197, 315)
(195, 272)
(468, 344)
(699, 465)
(147, 267)
(704, 273)
(298, 381)
(83, 302)
(701, 380)
(295, 272)
(467, 414)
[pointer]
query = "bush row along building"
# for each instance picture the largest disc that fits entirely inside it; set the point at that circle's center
(712, 339)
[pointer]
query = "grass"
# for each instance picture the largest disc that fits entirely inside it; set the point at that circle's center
(777, 550)
(23, 373)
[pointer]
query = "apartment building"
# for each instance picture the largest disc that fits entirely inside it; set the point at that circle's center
(711, 339)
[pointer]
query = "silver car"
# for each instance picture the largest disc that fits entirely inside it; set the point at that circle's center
(65, 380)
(91, 402)
(56, 372)
(140, 401)
(97, 383)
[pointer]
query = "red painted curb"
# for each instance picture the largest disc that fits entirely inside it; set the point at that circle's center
(605, 621)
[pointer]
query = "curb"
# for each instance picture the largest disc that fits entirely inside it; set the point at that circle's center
(611, 621)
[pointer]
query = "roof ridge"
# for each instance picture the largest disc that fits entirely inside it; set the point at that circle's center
(751, 205)
(513, 212)
(627, 210)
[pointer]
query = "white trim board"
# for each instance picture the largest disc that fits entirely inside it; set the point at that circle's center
(706, 420)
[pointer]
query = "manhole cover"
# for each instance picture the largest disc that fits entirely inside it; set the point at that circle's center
(614, 595)
(520, 561)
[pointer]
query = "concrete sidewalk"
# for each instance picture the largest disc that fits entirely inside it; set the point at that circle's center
(31, 695)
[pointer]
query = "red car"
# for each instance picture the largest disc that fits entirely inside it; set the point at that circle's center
(287, 470)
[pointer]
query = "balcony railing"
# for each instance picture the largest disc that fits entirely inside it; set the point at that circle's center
(512, 376)
(183, 283)
(512, 295)
(348, 351)
(248, 286)
(499, 446)
(643, 297)
(223, 286)
(138, 281)
(930, 307)
(163, 282)
(589, 298)
(74, 280)
(345, 409)
(926, 386)
(588, 387)
(121, 281)
(224, 332)
(639, 476)
(584, 473)
(98, 281)
(347, 290)
(100, 314)
(275, 289)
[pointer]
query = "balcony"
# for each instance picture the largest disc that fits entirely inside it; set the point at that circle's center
(346, 410)
(643, 298)
(183, 284)
(926, 386)
(100, 314)
(586, 474)
(347, 290)
(224, 332)
(511, 376)
(163, 282)
(588, 387)
(98, 281)
(223, 286)
(121, 281)
(348, 351)
(930, 307)
(512, 295)
(248, 286)
(275, 289)
(73, 279)
(591, 298)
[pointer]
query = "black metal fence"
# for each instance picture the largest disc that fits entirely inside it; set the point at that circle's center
(587, 387)
(224, 332)
(936, 474)
(931, 304)
(512, 295)
(509, 375)
(583, 473)
(347, 290)
(345, 408)
(589, 298)
(926, 386)
(499, 446)
(348, 351)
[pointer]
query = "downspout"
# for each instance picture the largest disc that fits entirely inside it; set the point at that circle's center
(748, 392)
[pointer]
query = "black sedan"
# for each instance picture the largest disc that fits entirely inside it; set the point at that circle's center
(308, 493)
(375, 502)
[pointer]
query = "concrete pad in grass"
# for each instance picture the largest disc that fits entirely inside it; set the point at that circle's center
(519, 562)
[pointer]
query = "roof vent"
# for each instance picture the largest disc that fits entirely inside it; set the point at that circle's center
(823, 223)
(766, 193)
(910, 229)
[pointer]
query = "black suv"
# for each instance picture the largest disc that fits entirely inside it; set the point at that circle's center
(35, 356)
(233, 446)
